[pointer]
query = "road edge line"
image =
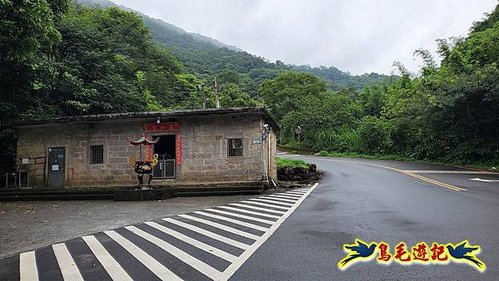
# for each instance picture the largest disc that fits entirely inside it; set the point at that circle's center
(229, 271)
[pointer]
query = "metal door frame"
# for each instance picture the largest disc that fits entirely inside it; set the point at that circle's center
(47, 165)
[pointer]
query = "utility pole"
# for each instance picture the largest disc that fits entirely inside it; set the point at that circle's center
(217, 99)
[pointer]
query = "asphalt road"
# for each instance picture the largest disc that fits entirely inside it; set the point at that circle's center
(294, 235)
(378, 201)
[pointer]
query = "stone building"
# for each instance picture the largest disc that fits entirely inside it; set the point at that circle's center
(209, 147)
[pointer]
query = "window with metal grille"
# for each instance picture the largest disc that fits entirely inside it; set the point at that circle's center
(234, 147)
(96, 154)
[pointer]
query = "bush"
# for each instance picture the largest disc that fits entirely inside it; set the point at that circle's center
(284, 162)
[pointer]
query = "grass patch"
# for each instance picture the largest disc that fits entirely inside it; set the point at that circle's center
(483, 166)
(284, 162)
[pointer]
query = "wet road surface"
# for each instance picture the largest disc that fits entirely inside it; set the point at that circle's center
(377, 201)
(295, 236)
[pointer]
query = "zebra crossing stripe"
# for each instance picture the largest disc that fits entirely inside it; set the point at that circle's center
(111, 266)
(209, 234)
(265, 205)
(229, 271)
(241, 216)
(249, 212)
(178, 253)
(198, 244)
(296, 192)
(27, 266)
(279, 199)
(153, 265)
(222, 227)
(257, 208)
(246, 224)
(297, 196)
(66, 263)
(271, 202)
(293, 199)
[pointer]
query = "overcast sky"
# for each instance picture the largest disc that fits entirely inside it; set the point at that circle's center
(358, 36)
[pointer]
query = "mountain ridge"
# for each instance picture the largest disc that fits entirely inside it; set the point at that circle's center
(205, 56)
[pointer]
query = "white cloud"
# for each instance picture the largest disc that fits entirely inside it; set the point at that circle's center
(354, 35)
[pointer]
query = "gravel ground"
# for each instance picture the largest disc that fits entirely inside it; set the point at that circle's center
(26, 226)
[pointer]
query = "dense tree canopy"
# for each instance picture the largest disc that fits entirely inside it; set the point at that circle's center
(60, 58)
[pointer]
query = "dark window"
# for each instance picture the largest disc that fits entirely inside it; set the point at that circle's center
(235, 147)
(96, 154)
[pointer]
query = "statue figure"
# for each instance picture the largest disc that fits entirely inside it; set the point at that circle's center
(144, 166)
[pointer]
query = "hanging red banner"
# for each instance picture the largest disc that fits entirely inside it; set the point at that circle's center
(179, 149)
(163, 127)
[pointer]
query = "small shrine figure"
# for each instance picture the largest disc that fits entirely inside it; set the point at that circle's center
(144, 166)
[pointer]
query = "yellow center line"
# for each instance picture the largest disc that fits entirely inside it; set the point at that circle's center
(405, 172)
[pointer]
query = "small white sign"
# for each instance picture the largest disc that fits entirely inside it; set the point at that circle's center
(25, 161)
(257, 140)
(55, 167)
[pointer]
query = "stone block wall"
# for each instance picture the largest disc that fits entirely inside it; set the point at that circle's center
(204, 151)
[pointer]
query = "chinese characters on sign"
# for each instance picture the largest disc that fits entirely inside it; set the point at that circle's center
(163, 127)
(420, 253)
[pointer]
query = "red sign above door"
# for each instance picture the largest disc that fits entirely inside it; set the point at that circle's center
(163, 127)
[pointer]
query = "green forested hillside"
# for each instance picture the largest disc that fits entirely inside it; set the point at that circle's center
(449, 113)
(206, 57)
(59, 58)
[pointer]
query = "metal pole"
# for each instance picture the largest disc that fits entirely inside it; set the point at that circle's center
(217, 100)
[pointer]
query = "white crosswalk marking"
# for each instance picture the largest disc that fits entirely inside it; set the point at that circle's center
(111, 266)
(153, 265)
(246, 224)
(257, 208)
(204, 230)
(222, 227)
(293, 199)
(271, 201)
(178, 253)
(210, 234)
(296, 192)
(265, 205)
(27, 266)
(294, 196)
(241, 216)
(198, 244)
(247, 254)
(249, 212)
(66, 263)
(279, 199)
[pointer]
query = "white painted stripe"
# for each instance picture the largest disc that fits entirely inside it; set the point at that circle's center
(249, 212)
(178, 253)
(296, 192)
(241, 216)
(27, 266)
(294, 198)
(294, 195)
(449, 172)
(265, 205)
(257, 208)
(222, 227)
(112, 267)
(229, 271)
(209, 234)
(66, 263)
(198, 244)
(238, 222)
(153, 265)
(279, 199)
(271, 201)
